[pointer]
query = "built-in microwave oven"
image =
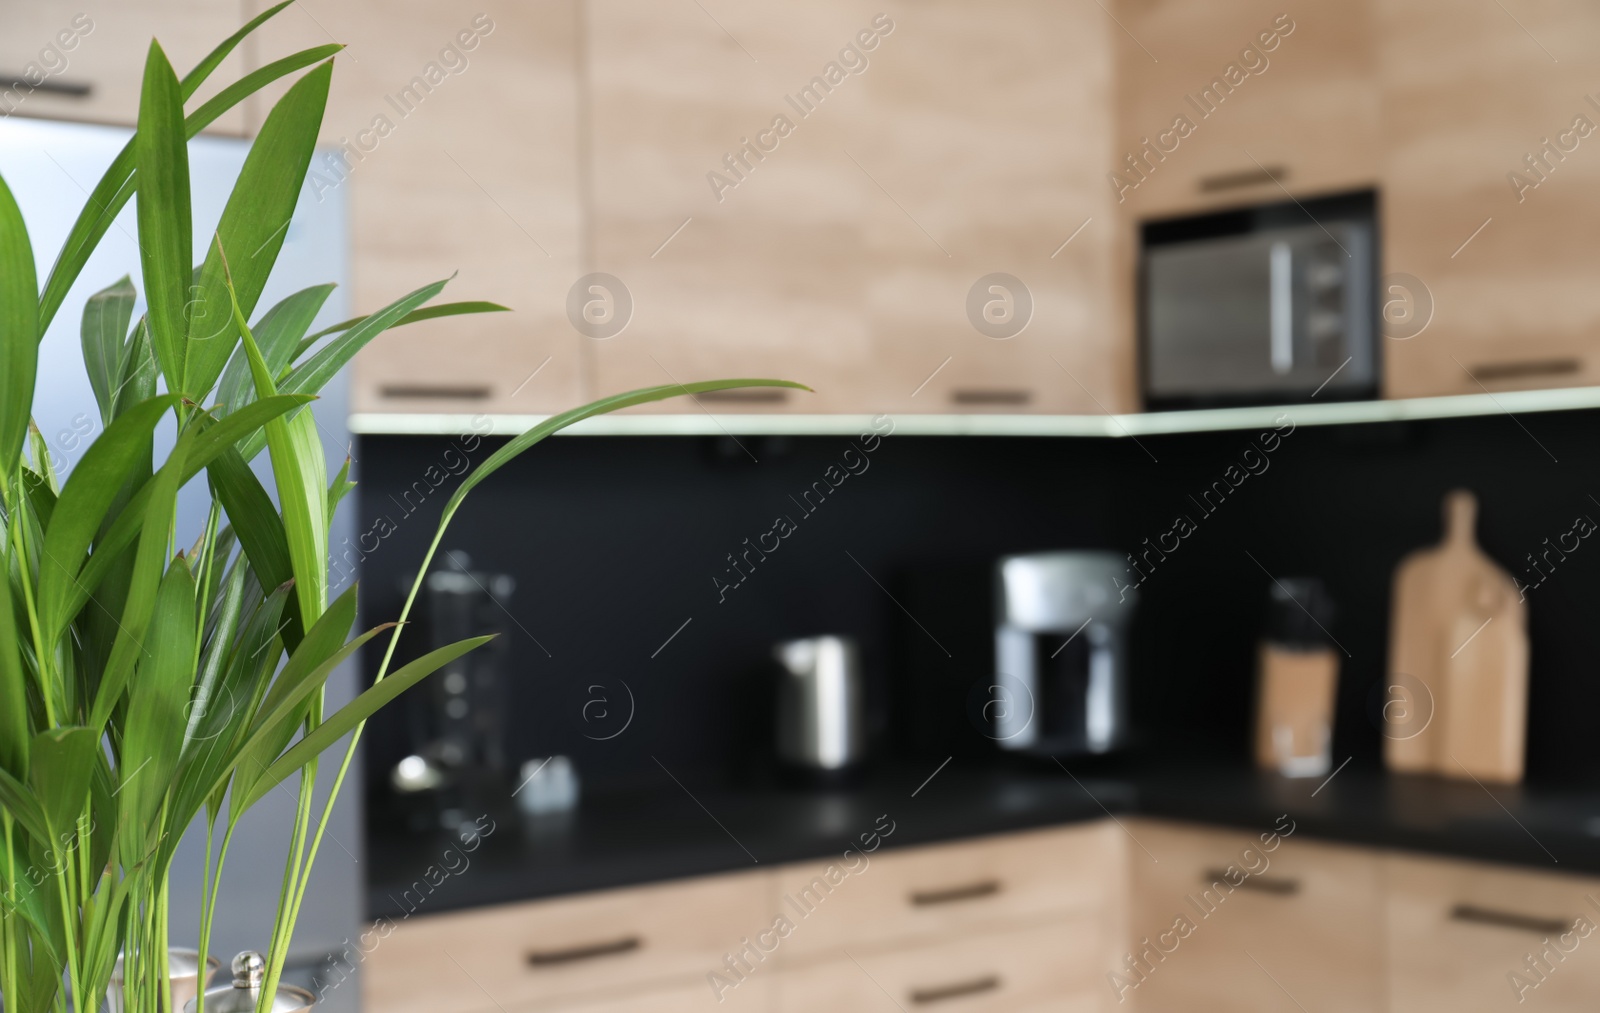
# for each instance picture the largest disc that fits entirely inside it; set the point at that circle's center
(1265, 305)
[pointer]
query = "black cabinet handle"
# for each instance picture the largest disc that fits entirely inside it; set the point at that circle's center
(1475, 915)
(1280, 887)
(585, 951)
(1528, 367)
(66, 89)
(746, 395)
(461, 392)
(952, 894)
(1243, 178)
(1002, 396)
(959, 990)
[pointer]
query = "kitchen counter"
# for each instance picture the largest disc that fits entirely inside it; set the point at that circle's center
(657, 830)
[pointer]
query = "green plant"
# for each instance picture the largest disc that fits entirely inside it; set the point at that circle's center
(116, 644)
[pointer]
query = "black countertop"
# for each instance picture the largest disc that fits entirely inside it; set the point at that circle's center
(665, 828)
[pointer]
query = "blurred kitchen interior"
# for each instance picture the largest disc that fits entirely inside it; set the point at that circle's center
(1174, 592)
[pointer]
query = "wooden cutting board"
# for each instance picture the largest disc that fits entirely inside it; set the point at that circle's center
(1457, 699)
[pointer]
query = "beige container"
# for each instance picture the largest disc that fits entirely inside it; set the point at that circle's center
(1295, 691)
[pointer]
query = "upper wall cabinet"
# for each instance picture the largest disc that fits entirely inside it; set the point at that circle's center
(1243, 102)
(85, 60)
(1489, 191)
(455, 135)
(836, 197)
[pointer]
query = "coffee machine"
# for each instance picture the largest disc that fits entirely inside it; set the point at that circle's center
(1061, 654)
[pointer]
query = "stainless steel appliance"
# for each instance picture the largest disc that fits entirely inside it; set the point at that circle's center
(1268, 305)
(1061, 664)
(821, 705)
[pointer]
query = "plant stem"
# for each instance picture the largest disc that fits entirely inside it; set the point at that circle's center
(8, 982)
(283, 927)
(40, 653)
(209, 910)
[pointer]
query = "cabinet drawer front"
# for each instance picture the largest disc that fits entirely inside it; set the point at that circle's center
(526, 953)
(1306, 920)
(930, 891)
(1458, 930)
(752, 996)
(1054, 966)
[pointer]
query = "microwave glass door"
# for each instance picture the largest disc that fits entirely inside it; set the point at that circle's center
(1267, 314)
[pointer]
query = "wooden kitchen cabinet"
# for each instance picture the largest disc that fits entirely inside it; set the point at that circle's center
(1271, 103)
(1304, 930)
(102, 45)
(1055, 967)
(453, 134)
(569, 950)
(1470, 92)
(946, 890)
(1459, 931)
(836, 258)
(753, 995)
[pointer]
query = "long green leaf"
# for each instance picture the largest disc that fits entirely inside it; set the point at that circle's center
(153, 731)
(213, 439)
(139, 370)
(105, 320)
(268, 738)
(202, 70)
(165, 233)
(301, 475)
(449, 309)
(230, 704)
(83, 504)
(278, 334)
(117, 186)
(13, 683)
(556, 423)
(19, 801)
(257, 524)
(61, 764)
(253, 226)
(357, 711)
(322, 641)
(19, 331)
(310, 376)
(129, 647)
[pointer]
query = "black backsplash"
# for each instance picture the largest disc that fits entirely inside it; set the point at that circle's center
(616, 542)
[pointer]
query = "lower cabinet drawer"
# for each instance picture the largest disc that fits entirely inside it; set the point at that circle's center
(1465, 937)
(896, 897)
(1218, 924)
(754, 995)
(530, 953)
(1057, 967)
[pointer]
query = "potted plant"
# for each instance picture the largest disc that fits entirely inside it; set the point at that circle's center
(115, 642)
